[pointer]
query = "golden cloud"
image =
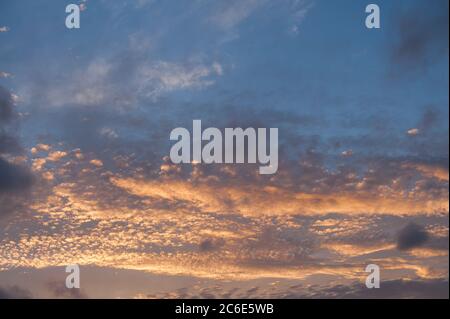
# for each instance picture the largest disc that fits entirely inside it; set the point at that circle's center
(270, 200)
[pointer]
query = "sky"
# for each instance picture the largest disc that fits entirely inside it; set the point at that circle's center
(85, 120)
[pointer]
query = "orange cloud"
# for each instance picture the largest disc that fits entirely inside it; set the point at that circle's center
(56, 156)
(254, 200)
(96, 162)
(432, 171)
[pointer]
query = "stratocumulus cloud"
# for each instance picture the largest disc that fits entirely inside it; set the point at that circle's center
(85, 170)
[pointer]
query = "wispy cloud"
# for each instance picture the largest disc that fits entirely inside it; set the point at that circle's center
(5, 74)
(99, 83)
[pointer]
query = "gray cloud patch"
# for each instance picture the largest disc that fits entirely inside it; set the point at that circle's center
(59, 290)
(411, 236)
(9, 144)
(398, 289)
(211, 244)
(6, 103)
(13, 178)
(422, 38)
(403, 289)
(14, 292)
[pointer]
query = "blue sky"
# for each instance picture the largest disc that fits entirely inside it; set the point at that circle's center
(312, 59)
(362, 117)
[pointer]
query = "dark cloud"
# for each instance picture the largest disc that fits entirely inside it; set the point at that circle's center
(59, 290)
(9, 144)
(411, 236)
(429, 118)
(211, 244)
(14, 292)
(14, 179)
(398, 289)
(6, 105)
(15, 183)
(422, 35)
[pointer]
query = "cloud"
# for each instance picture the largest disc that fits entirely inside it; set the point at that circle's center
(4, 29)
(56, 156)
(250, 199)
(413, 132)
(430, 170)
(9, 144)
(422, 36)
(411, 236)
(108, 132)
(429, 118)
(164, 233)
(124, 81)
(96, 162)
(330, 209)
(40, 148)
(347, 153)
(397, 289)
(164, 77)
(5, 75)
(59, 290)
(231, 13)
(6, 105)
(228, 15)
(211, 244)
(14, 292)
(83, 5)
(390, 289)
(14, 179)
